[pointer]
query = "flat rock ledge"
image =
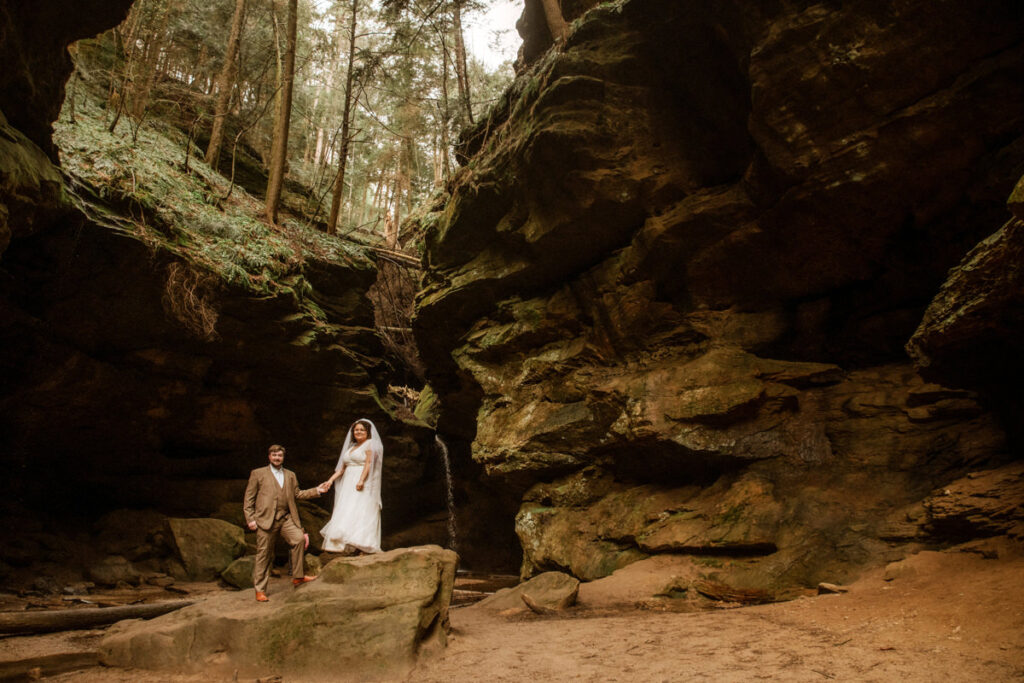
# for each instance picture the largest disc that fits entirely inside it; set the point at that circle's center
(366, 617)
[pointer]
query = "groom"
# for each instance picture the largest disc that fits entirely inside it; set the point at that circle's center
(270, 510)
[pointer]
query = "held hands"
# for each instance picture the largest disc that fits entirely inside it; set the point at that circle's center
(324, 487)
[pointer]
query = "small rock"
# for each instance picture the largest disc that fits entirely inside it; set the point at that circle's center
(205, 546)
(550, 590)
(239, 572)
(987, 548)
(47, 585)
(824, 588)
(113, 570)
(897, 570)
(80, 588)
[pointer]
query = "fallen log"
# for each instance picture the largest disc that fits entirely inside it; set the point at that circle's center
(46, 621)
(34, 668)
(721, 591)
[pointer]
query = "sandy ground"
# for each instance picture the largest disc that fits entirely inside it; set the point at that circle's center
(949, 616)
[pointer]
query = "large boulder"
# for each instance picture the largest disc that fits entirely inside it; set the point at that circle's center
(369, 616)
(971, 334)
(205, 546)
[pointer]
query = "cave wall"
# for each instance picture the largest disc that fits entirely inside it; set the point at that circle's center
(34, 37)
(112, 399)
(668, 297)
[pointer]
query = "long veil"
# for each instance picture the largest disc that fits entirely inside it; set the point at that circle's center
(377, 446)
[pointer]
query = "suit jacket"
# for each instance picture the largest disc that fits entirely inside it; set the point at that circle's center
(259, 497)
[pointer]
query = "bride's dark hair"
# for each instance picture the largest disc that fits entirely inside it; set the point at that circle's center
(366, 425)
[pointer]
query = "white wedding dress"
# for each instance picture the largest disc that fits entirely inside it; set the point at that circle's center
(355, 522)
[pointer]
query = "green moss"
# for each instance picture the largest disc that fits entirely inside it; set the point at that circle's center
(142, 189)
(426, 409)
(731, 516)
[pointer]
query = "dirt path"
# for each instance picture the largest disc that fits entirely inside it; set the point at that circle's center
(947, 617)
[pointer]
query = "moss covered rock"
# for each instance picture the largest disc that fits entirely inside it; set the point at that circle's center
(205, 546)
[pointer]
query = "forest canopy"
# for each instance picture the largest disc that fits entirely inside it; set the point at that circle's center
(341, 112)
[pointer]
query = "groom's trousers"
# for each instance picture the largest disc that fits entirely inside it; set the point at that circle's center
(265, 541)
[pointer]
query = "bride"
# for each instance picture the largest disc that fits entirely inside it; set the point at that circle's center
(355, 522)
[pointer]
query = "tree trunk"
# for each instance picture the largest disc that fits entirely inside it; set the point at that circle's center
(325, 96)
(69, 619)
(150, 65)
(461, 70)
(71, 95)
(318, 155)
(279, 153)
(556, 22)
(446, 112)
(225, 84)
(346, 120)
(351, 195)
(378, 191)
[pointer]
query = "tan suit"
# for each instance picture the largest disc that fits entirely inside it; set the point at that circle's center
(273, 508)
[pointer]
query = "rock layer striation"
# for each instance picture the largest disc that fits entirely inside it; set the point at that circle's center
(668, 295)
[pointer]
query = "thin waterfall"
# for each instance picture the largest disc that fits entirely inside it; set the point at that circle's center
(450, 490)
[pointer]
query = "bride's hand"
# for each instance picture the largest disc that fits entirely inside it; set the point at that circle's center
(359, 486)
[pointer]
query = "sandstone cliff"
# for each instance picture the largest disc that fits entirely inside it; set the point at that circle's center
(668, 296)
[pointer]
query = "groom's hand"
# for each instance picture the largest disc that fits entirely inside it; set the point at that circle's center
(252, 526)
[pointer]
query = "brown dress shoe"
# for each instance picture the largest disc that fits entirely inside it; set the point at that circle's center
(261, 597)
(304, 579)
